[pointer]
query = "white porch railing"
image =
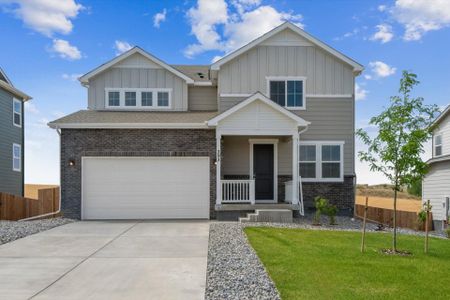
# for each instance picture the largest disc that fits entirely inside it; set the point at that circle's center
(238, 191)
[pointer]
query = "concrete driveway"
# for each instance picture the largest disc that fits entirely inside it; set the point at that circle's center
(108, 260)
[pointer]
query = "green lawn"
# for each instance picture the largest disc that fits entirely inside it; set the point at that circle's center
(311, 264)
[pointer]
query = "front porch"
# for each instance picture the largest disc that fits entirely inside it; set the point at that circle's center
(257, 172)
(257, 157)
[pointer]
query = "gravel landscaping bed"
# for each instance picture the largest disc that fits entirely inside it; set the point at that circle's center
(342, 223)
(234, 270)
(13, 230)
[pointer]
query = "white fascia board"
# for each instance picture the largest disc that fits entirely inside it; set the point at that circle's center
(203, 83)
(14, 91)
(255, 97)
(441, 116)
(357, 68)
(85, 78)
(129, 125)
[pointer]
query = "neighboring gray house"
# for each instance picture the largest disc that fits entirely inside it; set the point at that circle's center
(11, 137)
(269, 125)
(436, 184)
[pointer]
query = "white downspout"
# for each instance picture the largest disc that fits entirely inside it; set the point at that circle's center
(299, 183)
(59, 204)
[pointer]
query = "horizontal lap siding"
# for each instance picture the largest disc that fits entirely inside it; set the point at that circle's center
(10, 181)
(331, 120)
(436, 186)
(137, 78)
(202, 98)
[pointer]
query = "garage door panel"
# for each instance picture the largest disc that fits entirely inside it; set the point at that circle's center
(136, 187)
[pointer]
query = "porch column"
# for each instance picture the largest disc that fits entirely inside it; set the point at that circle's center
(218, 171)
(295, 178)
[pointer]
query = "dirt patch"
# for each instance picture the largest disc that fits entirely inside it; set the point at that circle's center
(411, 205)
(382, 190)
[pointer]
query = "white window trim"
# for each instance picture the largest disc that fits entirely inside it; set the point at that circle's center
(138, 91)
(319, 161)
(436, 145)
(20, 158)
(286, 79)
(14, 112)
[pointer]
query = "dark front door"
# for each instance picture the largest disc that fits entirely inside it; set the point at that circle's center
(263, 171)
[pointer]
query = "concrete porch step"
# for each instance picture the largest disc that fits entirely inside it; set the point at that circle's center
(268, 215)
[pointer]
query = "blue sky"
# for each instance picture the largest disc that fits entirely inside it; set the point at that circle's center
(48, 43)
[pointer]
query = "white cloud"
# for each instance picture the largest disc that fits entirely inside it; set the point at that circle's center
(216, 58)
(203, 19)
(217, 27)
(121, 47)
(254, 23)
(360, 93)
(45, 16)
(384, 33)
(71, 77)
(159, 18)
(30, 107)
(381, 69)
(381, 8)
(65, 50)
(420, 16)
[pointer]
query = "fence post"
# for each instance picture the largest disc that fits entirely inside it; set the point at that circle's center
(426, 225)
(364, 225)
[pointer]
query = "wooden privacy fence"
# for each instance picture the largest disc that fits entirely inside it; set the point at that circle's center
(405, 219)
(14, 207)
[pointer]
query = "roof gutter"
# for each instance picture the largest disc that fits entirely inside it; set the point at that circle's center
(14, 91)
(129, 125)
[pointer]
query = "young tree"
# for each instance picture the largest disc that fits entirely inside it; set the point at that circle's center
(403, 128)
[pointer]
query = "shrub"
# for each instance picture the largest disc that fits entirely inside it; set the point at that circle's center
(447, 231)
(331, 211)
(321, 206)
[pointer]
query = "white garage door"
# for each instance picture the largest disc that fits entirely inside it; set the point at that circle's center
(145, 187)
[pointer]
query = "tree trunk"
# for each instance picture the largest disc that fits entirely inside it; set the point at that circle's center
(394, 240)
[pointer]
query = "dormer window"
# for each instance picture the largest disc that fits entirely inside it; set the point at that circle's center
(138, 98)
(288, 92)
(438, 145)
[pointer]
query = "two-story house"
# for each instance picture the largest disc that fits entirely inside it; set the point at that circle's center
(11, 137)
(436, 184)
(270, 125)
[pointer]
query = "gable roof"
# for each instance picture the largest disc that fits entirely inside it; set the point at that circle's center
(258, 96)
(85, 78)
(7, 85)
(441, 116)
(357, 68)
(5, 78)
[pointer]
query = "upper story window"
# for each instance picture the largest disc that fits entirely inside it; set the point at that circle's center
(321, 161)
(113, 98)
(438, 145)
(287, 91)
(17, 157)
(17, 113)
(153, 98)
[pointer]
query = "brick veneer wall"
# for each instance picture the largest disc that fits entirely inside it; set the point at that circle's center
(342, 194)
(76, 143)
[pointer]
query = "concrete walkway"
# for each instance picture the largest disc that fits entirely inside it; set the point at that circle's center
(108, 260)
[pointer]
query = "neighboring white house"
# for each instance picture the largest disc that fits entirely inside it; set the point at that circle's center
(436, 184)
